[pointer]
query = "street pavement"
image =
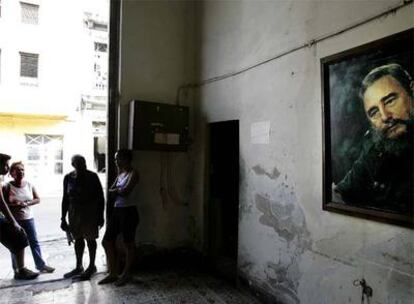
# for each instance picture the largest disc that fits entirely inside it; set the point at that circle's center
(47, 217)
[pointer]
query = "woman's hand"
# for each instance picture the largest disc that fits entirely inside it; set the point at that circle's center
(18, 203)
(113, 189)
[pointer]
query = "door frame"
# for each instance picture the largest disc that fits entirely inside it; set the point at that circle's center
(207, 248)
(113, 90)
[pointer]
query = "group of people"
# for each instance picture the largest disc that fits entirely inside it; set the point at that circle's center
(82, 216)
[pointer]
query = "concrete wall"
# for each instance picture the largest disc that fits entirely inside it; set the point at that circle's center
(288, 247)
(156, 57)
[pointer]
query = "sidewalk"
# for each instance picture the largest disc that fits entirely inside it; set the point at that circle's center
(55, 249)
(47, 218)
(57, 254)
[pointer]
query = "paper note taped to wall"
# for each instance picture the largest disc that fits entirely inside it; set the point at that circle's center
(173, 139)
(167, 138)
(260, 132)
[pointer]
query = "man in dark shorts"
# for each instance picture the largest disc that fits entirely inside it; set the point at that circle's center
(84, 202)
(12, 236)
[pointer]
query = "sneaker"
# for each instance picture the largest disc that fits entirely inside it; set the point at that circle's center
(86, 275)
(25, 274)
(47, 269)
(74, 272)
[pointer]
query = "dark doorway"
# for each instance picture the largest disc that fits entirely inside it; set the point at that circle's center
(223, 202)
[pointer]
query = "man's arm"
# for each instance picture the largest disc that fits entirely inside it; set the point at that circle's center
(100, 200)
(6, 211)
(65, 205)
(353, 187)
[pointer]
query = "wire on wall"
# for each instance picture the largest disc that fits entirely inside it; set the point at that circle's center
(307, 44)
(168, 187)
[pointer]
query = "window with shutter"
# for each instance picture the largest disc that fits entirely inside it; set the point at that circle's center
(30, 13)
(29, 65)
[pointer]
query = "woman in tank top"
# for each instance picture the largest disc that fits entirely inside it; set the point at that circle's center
(20, 196)
(123, 219)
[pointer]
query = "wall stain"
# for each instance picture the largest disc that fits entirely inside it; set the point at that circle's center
(288, 221)
(245, 209)
(286, 288)
(246, 265)
(336, 259)
(398, 260)
(260, 171)
(245, 205)
(395, 254)
(286, 224)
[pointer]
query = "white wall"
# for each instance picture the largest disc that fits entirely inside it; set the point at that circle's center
(302, 254)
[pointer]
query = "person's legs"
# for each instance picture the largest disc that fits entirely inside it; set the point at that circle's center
(14, 262)
(110, 252)
(16, 241)
(79, 249)
(21, 272)
(19, 259)
(29, 227)
(108, 242)
(128, 227)
(129, 263)
(86, 275)
(92, 252)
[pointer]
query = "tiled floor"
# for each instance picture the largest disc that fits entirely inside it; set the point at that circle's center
(173, 287)
(156, 287)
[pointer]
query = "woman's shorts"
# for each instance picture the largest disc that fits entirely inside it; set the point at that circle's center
(124, 220)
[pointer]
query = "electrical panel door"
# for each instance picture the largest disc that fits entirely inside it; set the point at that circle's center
(157, 126)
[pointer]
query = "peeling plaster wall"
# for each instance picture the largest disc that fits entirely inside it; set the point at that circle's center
(156, 57)
(288, 247)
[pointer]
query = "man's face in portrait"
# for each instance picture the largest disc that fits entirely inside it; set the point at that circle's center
(388, 107)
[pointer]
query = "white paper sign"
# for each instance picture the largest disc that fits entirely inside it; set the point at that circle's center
(167, 138)
(260, 132)
(173, 139)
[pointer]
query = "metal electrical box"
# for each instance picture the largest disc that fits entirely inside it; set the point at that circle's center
(157, 126)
